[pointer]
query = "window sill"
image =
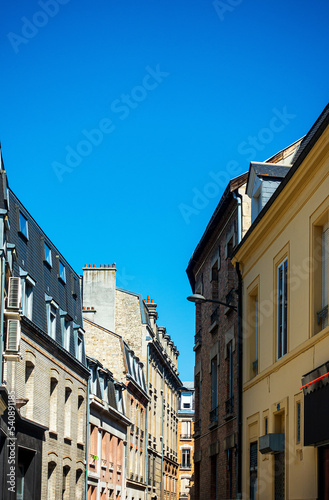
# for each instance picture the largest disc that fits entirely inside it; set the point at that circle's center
(47, 264)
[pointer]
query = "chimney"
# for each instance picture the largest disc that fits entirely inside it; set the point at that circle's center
(99, 284)
(151, 305)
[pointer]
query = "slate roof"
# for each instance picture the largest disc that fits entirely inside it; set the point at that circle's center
(31, 260)
(270, 170)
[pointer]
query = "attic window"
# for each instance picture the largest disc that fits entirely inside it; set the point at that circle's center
(48, 255)
(23, 226)
(62, 274)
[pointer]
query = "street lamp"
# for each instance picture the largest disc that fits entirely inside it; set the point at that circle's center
(200, 299)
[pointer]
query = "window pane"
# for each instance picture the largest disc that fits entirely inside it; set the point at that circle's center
(23, 225)
(47, 254)
(62, 271)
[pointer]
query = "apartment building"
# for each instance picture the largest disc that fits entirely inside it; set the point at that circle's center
(283, 260)
(127, 372)
(127, 315)
(43, 368)
(214, 283)
(186, 442)
(107, 435)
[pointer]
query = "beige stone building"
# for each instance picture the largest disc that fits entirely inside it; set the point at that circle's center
(135, 320)
(185, 490)
(283, 260)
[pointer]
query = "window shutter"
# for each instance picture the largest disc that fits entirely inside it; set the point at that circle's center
(14, 293)
(13, 335)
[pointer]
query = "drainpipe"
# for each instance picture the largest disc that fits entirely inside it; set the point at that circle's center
(239, 388)
(163, 417)
(87, 440)
(147, 420)
(238, 198)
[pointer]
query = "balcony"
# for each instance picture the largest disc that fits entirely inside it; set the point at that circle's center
(185, 466)
(229, 407)
(132, 428)
(184, 437)
(213, 415)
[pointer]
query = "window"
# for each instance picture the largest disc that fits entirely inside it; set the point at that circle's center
(52, 321)
(23, 226)
(253, 329)
(214, 390)
(186, 429)
(62, 274)
(53, 404)
(186, 459)
(80, 347)
(27, 292)
(48, 259)
(51, 483)
(67, 334)
(29, 388)
(282, 303)
(253, 471)
(298, 416)
(320, 268)
(186, 401)
(67, 412)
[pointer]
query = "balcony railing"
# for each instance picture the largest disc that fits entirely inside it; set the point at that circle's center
(185, 436)
(185, 466)
(213, 415)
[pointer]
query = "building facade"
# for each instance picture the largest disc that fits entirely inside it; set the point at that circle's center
(212, 275)
(283, 261)
(43, 366)
(135, 320)
(107, 435)
(186, 442)
(127, 370)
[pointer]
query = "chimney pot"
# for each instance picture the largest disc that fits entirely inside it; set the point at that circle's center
(148, 298)
(152, 301)
(113, 265)
(89, 265)
(85, 265)
(101, 265)
(104, 265)
(88, 308)
(94, 265)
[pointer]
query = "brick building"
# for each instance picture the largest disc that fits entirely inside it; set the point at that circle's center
(212, 275)
(44, 370)
(186, 442)
(135, 320)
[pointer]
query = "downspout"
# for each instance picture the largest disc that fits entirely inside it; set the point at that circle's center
(238, 198)
(239, 388)
(147, 421)
(163, 417)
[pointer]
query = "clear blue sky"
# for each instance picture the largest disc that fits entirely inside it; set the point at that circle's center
(172, 90)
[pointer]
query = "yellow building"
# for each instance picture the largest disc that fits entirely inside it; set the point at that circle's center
(283, 260)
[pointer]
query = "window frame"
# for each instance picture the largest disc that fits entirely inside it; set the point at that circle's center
(23, 228)
(282, 306)
(48, 253)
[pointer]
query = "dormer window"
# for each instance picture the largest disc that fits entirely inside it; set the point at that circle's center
(48, 259)
(23, 226)
(62, 274)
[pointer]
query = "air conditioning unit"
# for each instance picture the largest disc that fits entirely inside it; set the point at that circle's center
(14, 299)
(13, 336)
